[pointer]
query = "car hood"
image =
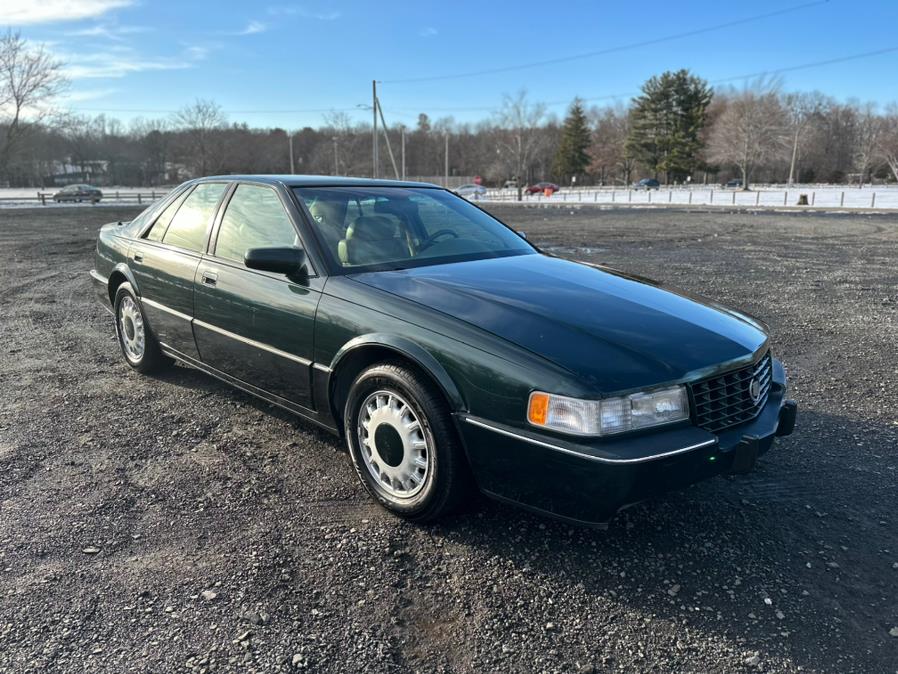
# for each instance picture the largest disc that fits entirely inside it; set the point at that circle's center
(615, 332)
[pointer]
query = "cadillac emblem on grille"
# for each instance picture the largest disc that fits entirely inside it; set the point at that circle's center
(754, 390)
(733, 397)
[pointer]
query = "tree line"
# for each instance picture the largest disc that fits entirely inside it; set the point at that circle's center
(678, 130)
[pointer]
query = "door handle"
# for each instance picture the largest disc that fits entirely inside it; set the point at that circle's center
(137, 257)
(210, 278)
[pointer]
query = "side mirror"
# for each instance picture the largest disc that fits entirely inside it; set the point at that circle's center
(288, 260)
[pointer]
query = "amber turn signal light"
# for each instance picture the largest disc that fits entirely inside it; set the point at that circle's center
(538, 409)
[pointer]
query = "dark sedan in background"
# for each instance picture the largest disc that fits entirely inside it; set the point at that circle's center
(78, 193)
(647, 184)
(449, 352)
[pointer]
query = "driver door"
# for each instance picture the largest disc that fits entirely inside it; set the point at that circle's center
(256, 326)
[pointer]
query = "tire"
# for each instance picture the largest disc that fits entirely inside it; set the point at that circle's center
(400, 397)
(137, 342)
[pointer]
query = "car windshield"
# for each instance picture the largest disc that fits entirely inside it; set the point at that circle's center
(376, 228)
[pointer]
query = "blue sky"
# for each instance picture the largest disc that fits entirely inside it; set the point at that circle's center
(283, 64)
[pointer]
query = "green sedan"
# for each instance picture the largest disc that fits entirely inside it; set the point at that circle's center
(451, 354)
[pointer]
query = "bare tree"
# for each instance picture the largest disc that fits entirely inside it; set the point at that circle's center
(519, 119)
(888, 144)
(29, 79)
(202, 122)
(869, 131)
(152, 140)
(609, 147)
(751, 130)
(801, 108)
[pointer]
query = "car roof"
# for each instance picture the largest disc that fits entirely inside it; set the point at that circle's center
(319, 181)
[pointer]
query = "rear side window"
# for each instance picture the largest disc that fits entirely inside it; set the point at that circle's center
(188, 227)
(254, 218)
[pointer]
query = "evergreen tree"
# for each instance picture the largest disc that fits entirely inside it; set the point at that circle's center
(572, 158)
(666, 124)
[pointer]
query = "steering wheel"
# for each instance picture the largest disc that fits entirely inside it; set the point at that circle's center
(432, 239)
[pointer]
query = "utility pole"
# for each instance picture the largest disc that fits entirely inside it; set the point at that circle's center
(446, 167)
(383, 125)
(402, 136)
(374, 134)
(292, 165)
(336, 169)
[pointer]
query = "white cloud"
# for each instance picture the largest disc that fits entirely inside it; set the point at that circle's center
(196, 53)
(22, 12)
(87, 95)
(116, 33)
(119, 67)
(295, 10)
(429, 31)
(119, 61)
(252, 28)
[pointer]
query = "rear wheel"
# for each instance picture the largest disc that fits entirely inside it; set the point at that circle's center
(403, 445)
(138, 344)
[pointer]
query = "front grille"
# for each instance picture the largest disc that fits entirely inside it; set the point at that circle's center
(725, 400)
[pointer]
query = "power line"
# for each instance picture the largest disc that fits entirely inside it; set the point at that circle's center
(815, 64)
(160, 111)
(609, 50)
(409, 112)
(722, 80)
(762, 73)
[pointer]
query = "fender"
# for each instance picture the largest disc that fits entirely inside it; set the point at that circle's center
(125, 271)
(414, 352)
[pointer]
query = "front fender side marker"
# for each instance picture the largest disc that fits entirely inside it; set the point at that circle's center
(538, 409)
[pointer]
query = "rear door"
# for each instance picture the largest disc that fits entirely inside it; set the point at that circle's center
(257, 326)
(165, 260)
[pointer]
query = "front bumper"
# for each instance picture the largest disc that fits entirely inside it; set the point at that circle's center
(590, 481)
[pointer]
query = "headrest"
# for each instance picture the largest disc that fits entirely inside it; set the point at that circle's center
(372, 228)
(328, 212)
(401, 207)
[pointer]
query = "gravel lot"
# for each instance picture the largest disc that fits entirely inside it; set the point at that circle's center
(173, 524)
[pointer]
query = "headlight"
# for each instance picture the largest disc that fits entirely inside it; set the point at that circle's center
(611, 415)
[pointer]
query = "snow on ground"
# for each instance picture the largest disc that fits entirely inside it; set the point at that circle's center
(770, 196)
(820, 196)
(21, 197)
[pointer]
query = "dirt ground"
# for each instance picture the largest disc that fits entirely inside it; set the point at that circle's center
(174, 524)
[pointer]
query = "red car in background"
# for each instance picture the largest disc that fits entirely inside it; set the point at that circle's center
(539, 188)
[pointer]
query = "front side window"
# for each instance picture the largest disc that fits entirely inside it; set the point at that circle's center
(254, 218)
(366, 228)
(188, 227)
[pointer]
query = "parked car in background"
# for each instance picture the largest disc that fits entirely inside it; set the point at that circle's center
(78, 193)
(446, 351)
(539, 188)
(510, 184)
(647, 184)
(471, 191)
(735, 183)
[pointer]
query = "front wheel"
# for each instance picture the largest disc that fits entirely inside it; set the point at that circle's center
(403, 445)
(138, 344)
